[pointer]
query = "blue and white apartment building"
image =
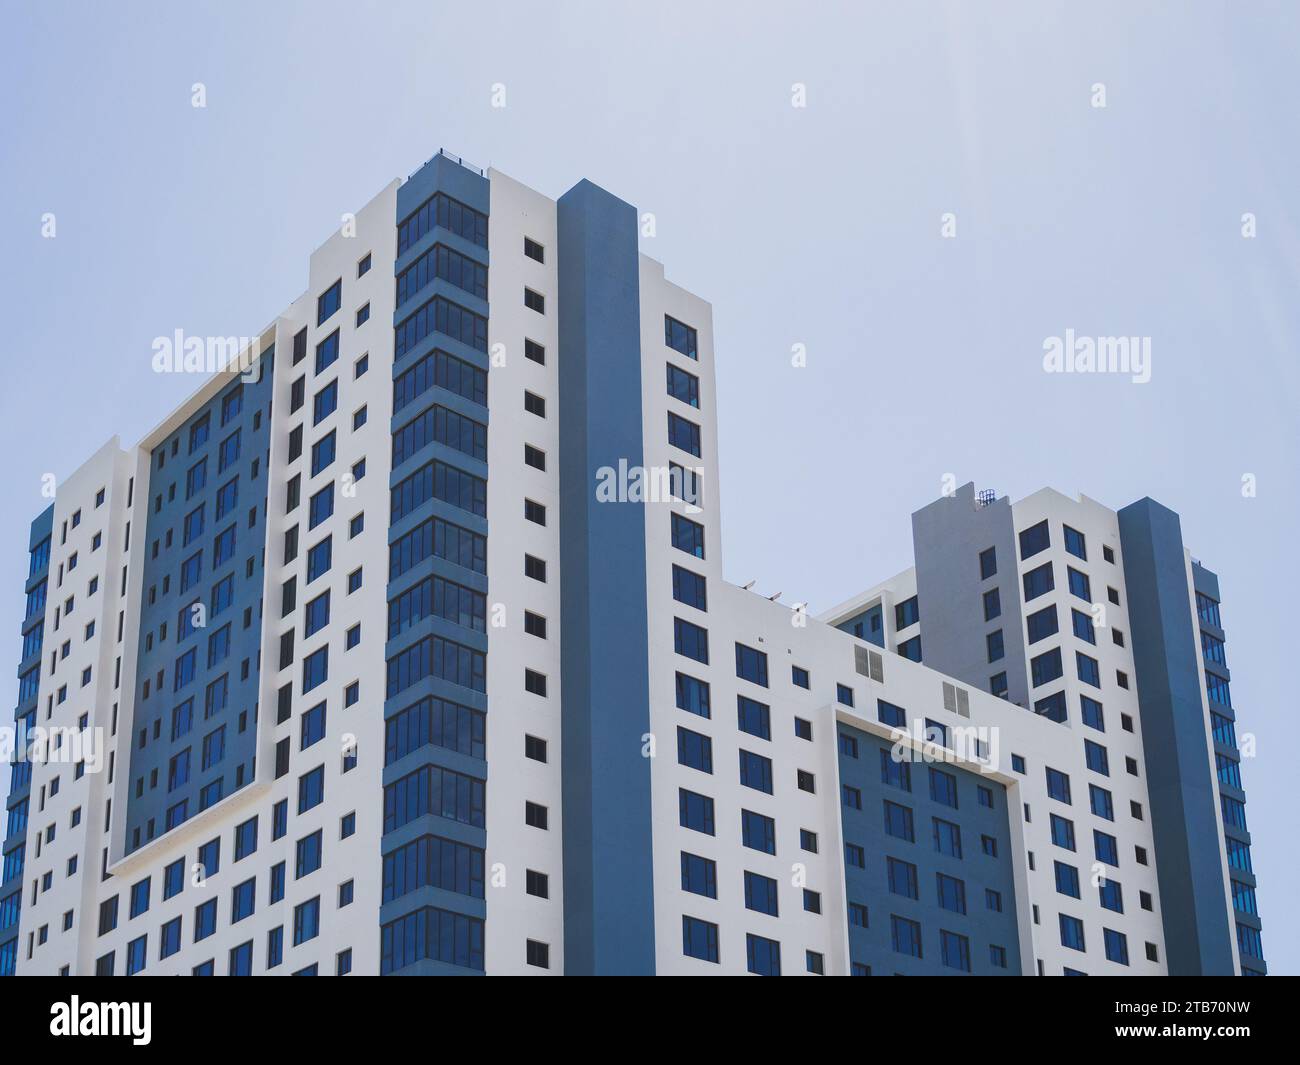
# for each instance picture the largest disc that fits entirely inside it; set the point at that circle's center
(407, 651)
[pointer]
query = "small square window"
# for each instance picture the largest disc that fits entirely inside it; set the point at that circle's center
(534, 250)
(363, 266)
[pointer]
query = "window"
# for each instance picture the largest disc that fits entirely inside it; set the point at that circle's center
(140, 897)
(680, 337)
(1105, 847)
(1072, 933)
(319, 559)
(683, 386)
(329, 301)
(994, 645)
(898, 821)
(907, 613)
(534, 301)
(699, 875)
(322, 453)
(1034, 539)
(306, 921)
(751, 665)
(1045, 667)
(205, 920)
(758, 832)
(1079, 584)
(1038, 581)
(684, 434)
(947, 838)
(688, 536)
(799, 677)
(902, 878)
(1041, 624)
(690, 588)
(699, 939)
(763, 956)
(534, 404)
(694, 750)
(315, 669)
(1116, 946)
(755, 771)
(243, 900)
(245, 838)
(690, 640)
(325, 402)
(988, 563)
(327, 351)
(943, 787)
(753, 717)
(954, 950)
(1067, 880)
(136, 952)
(905, 936)
(1088, 669)
(1095, 756)
(1058, 785)
(692, 695)
(1076, 543)
(695, 811)
(534, 351)
(311, 789)
(992, 604)
(173, 878)
(897, 774)
(534, 457)
(1062, 832)
(760, 894)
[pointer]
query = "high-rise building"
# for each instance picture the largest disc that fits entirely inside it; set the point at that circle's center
(406, 649)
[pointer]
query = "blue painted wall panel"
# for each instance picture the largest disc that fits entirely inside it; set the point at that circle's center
(608, 883)
(1180, 784)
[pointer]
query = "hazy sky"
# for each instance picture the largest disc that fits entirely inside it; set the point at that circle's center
(816, 225)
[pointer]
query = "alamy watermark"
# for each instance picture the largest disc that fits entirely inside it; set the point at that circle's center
(626, 483)
(179, 353)
(926, 741)
(1114, 355)
(53, 745)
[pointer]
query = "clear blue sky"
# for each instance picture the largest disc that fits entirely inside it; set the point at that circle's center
(818, 226)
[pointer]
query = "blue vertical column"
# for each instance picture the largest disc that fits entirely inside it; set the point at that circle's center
(1180, 785)
(433, 907)
(1227, 764)
(608, 869)
(20, 773)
